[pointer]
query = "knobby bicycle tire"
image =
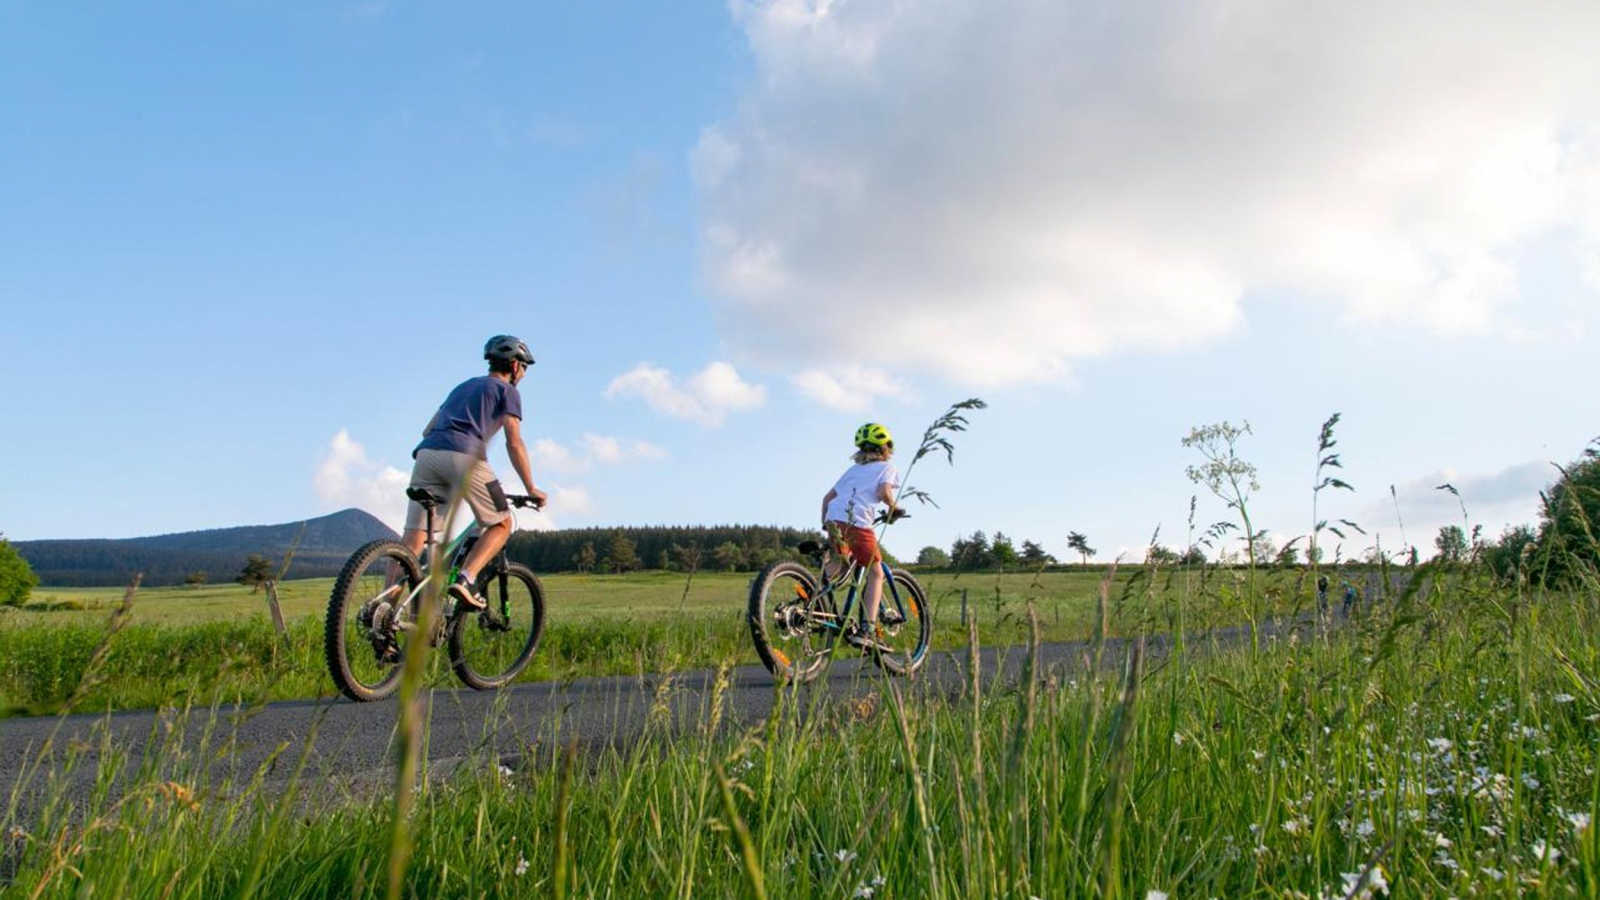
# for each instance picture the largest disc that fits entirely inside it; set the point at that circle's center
(919, 621)
(801, 654)
(352, 660)
(488, 651)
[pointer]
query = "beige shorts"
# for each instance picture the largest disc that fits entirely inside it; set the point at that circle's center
(451, 474)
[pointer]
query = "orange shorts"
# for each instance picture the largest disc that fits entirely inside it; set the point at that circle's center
(854, 542)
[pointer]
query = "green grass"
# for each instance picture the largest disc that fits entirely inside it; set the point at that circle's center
(183, 645)
(1445, 743)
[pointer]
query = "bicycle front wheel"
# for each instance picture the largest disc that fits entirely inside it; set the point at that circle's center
(491, 647)
(905, 623)
(792, 625)
(369, 619)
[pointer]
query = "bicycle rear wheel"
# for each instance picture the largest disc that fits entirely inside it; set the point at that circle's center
(365, 632)
(793, 627)
(905, 623)
(491, 647)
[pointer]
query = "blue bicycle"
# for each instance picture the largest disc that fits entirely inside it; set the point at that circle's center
(374, 613)
(796, 619)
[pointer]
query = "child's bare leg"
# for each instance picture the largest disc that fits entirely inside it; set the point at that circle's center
(873, 593)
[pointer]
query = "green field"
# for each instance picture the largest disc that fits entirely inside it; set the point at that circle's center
(183, 645)
(1442, 746)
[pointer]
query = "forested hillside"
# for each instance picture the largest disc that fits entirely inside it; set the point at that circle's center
(217, 554)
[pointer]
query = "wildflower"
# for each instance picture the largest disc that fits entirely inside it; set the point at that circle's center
(1177, 738)
(522, 865)
(1362, 885)
(1364, 829)
(1492, 830)
(1494, 874)
(1530, 782)
(844, 857)
(1564, 698)
(864, 892)
(1442, 842)
(505, 771)
(1154, 894)
(878, 880)
(1544, 852)
(1441, 746)
(1297, 826)
(1444, 859)
(1579, 820)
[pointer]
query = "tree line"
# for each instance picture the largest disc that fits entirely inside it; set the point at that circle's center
(727, 548)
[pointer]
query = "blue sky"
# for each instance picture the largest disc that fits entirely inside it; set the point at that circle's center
(246, 248)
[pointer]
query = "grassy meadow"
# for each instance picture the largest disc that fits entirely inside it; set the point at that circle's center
(183, 645)
(1439, 745)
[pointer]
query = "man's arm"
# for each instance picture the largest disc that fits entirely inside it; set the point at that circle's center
(518, 451)
(826, 500)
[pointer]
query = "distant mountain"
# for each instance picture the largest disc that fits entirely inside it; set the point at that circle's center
(324, 543)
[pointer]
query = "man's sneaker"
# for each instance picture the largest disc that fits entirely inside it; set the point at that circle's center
(466, 598)
(868, 639)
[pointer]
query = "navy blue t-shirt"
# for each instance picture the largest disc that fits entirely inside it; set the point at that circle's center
(471, 415)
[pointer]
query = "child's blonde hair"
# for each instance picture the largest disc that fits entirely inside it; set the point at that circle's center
(864, 455)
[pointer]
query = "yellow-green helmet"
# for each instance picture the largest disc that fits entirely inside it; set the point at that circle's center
(873, 435)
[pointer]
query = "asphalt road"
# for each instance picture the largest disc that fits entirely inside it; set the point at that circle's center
(347, 748)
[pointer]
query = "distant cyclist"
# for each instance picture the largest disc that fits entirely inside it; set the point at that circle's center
(452, 460)
(847, 515)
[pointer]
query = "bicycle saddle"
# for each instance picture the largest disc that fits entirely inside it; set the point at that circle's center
(425, 497)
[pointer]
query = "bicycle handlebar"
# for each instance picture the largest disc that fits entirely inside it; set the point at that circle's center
(884, 517)
(524, 501)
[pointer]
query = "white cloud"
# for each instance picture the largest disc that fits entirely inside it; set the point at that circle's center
(1493, 500)
(552, 456)
(348, 477)
(707, 397)
(563, 500)
(848, 387)
(993, 189)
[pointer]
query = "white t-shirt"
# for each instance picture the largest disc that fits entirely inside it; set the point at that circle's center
(856, 493)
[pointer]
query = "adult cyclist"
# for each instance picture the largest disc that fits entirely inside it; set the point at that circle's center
(452, 460)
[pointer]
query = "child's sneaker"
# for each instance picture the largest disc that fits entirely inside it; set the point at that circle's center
(466, 598)
(868, 639)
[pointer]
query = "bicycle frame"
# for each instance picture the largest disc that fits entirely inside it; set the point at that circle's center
(856, 576)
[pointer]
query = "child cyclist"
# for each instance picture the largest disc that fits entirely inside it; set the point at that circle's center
(848, 512)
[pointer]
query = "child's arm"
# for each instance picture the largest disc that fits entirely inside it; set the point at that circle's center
(832, 495)
(886, 495)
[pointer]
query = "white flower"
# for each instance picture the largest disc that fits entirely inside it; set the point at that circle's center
(505, 771)
(1442, 842)
(844, 857)
(1297, 825)
(1530, 782)
(1177, 738)
(1375, 882)
(1154, 894)
(1492, 830)
(1494, 874)
(522, 865)
(1441, 745)
(1364, 829)
(1579, 820)
(1545, 852)
(862, 891)
(1564, 698)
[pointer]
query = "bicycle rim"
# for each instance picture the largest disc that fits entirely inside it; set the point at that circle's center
(366, 633)
(793, 626)
(907, 641)
(488, 649)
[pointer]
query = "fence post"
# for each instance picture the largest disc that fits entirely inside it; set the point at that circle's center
(963, 607)
(275, 607)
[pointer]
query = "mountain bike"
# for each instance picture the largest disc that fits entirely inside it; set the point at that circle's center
(796, 619)
(374, 613)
